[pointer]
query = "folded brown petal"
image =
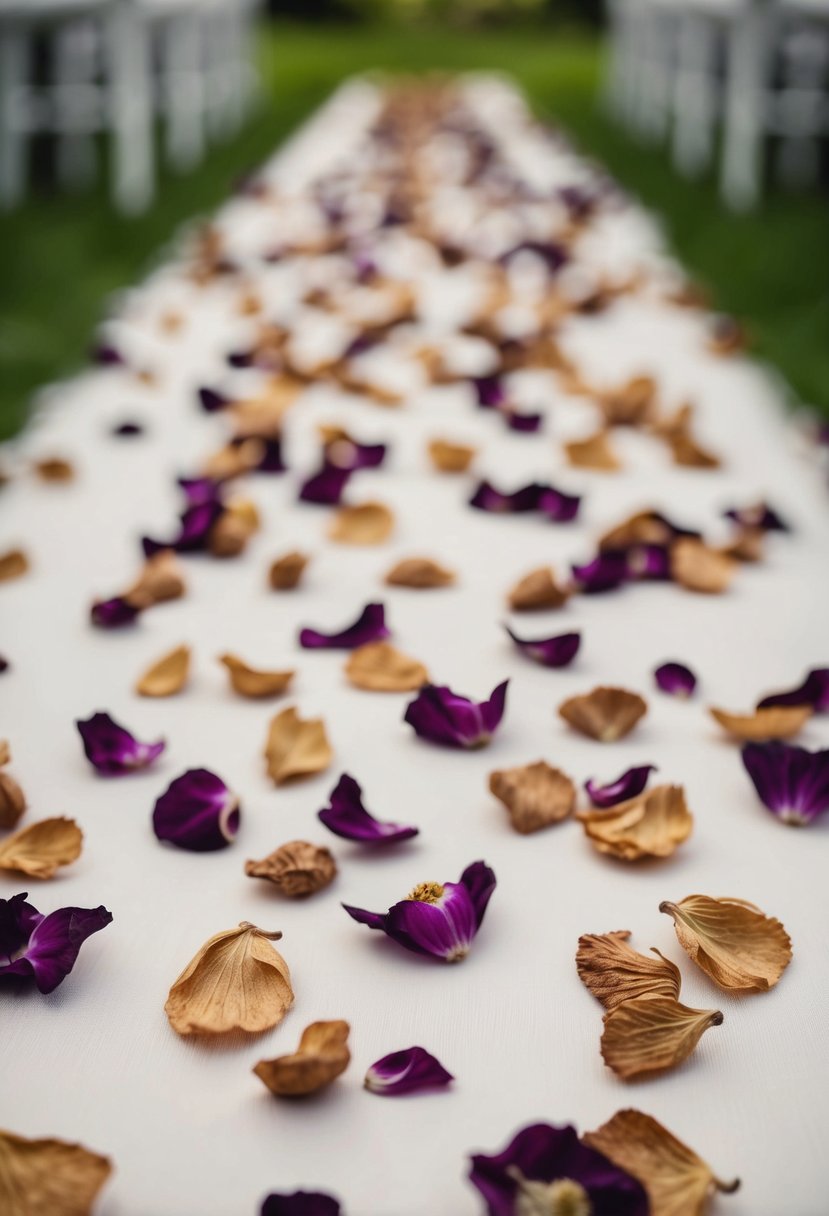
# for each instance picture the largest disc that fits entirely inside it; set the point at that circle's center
(595, 452)
(535, 795)
(630, 404)
(536, 591)
(448, 457)
(12, 798)
(615, 972)
(160, 580)
(419, 572)
(41, 848)
(747, 545)
(368, 523)
(651, 1034)
(286, 572)
(321, 1057)
(776, 722)
(254, 682)
(13, 564)
(167, 676)
(606, 714)
(689, 454)
(653, 824)
(698, 567)
(234, 528)
(381, 667)
(736, 944)
(296, 869)
(54, 469)
(296, 747)
(234, 459)
(49, 1176)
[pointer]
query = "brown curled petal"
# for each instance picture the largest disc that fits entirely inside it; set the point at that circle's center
(296, 747)
(5, 752)
(698, 567)
(651, 1034)
(642, 528)
(234, 460)
(381, 667)
(419, 572)
(736, 944)
(368, 523)
(653, 824)
(776, 722)
(297, 869)
(160, 580)
(54, 469)
(49, 1176)
(630, 404)
(13, 564)
(12, 801)
(286, 572)
(595, 452)
(535, 795)
(605, 714)
(689, 454)
(167, 676)
(448, 457)
(253, 682)
(321, 1057)
(536, 591)
(40, 849)
(747, 545)
(615, 972)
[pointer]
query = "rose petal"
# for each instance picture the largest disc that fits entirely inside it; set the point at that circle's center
(369, 523)
(347, 817)
(167, 676)
(776, 722)
(791, 781)
(380, 667)
(197, 812)
(536, 591)
(631, 783)
(556, 651)
(406, 1072)
(605, 714)
(535, 795)
(112, 750)
(370, 626)
(675, 679)
(442, 716)
(448, 457)
(49, 1176)
(813, 691)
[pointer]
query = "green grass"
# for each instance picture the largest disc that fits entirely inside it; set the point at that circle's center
(63, 257)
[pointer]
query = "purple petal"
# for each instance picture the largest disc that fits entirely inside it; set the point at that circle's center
(444, 929)
(271, 459)
(605, 572)
(112, 750)
(240, 358)
(758, 515)
(370, 626)
(479, 881)
(211, 400)
(127, 429)
(300, 1203)
(106, 355)
(18, 920)
(198, 812)
(524, 424)
(348, 818)
(561, 508)
(326, 486)
(813, 691)
(350, 455)
(114, 613)
(199, 490)
(374, 920)
(675, 679)
(406, 1072)
(196, 523)
(791, 781)
(489, 391)
(648, 562)
(557, 651)
(54, 944)
(442, 716)
(487, 498)
(631, 783)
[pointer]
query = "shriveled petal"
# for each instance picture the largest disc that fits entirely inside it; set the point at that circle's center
(49, 1176)
(614, 972)
(296, 747)
(111, 749)
(347, 817)
(652, 825)
(381, 667)
(18, 920)
(535, 795)
(558, 506)
(297, 869)
(406, 1072)
(758, 515)
(14, 563)
(776, 722)
(605, 714)
(556, 651)
(40, 849)
(605, 572)
(197, 812)
(167, 676)
(114, 613)
(321, 1057)
(370, 626)
(791, 781)
(286, 572)
(628, 785)
(651, 1034)
(594, 452)
(253, 681)
(736, 944)
(367, 523)
(675, 679)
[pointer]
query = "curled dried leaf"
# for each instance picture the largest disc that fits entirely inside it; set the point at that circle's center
(296, 869)
(652, 1033)
(698, 567)
(448, 457)
(776, 722)
(160, 580)
(13, 564)
(49, 1176)
(286, 572)
(12, 801)
(595, 452)
(54, 469)
(677, 1181)
(368, 523)
(381, 667)
(653, 824)
(252, 681)
(606, 714)
(536, 591)
(296, 747)
(736, 944)
(236, 981)
(41, 848)
(321, 1057)
(167, 676)
(535, 795)
(615, 972)
(419, 572)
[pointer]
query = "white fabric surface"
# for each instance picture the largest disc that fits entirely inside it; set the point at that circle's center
(191, 1131)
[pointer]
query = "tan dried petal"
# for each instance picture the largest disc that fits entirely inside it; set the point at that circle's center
(448, 457)
(606, 714)
(41, 848)
(641, 528)
(631, 404)
(262, 417)
(12, 801)
(652, 1033)
(536, 591)
(698, 567)
(689, 454)
(167, 676)
(234, 459)
(49, 1177)
(615, 972)
(747, 545)
(595, 452)
(741, 948)
(381, 667)
(228, 536)
(678, 423)
(368, 523)
(286, 571)
(296, 747)
(171, 322)
(776, 722)
(252, 682)
(419, 572)
(54, 469)
(13, 564)
(296, 869)
(651, 825)
(677, 1181)
(535, 795)
(236, 981)
(321, 1057)
(5, 752)
(728, 337)
(160, 580)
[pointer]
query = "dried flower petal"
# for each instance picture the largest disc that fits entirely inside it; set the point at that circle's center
(615, 972)
(160, 580)
(776, 722)
(286, 572)
(689, 454)
(114, 613)
(697, 567)
(54, 469)
(813, 691)
(347, 817)
(631, 404)
(369, 523)
(487, 498)
(198, 812)
(44, 948)
(758, 515)
(791, 781)
(406, 1072)
(112, 750)
(296, 869)
(12, 798)
(736, 944)
(325, 487)
(650, 825)
(13, 564)
(252, 681)
(41, 848)
(370, 626)
(448, 457)
(605, 572)
(167, 675)
(321, 1057)
(443, 716)
(644, 528)
(747, 545)
(631, 783)
(381, 667)
(675, 679)
(595, 452)
(652, 1033)
(557, 651)
(536, 591)
(535, 795)
(49, 1176)
(296, 747)
(236, 981)
(300, 1203)
(419, 572)
(606, 714)
(678, 1182)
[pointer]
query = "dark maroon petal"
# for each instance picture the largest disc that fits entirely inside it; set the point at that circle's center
(370, 626)
(675, 679)
(18, 920)
(326, 486)
(605, 572)
(758, 515)
(648, 562)
(271, 459)
(813, 691)
(106, 355)
(561, 508)
(199, 490)
(479, 881)
(211, 400)
(631, 783)
(487, 498)
(196, 522)
(557, 651)
(198, 812)
(791, 781)
(489, 391)
(54, 944)
(300, 1203)
(240, 358)
(406, 1072)
(524, 424)
(350, 455)
(442, 716)
(127, 429)
(361, 344)
(113, 613)
(112, 750)
(4, 664)
(347, 817)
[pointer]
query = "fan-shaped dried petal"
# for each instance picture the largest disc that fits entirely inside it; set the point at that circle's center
(652, 1033)
(49, 1176)
(160, 580)
(321, 1057)
(296, 747)
(535, 795)
(419, 572)
(13, 564)
(606, 714)
(595, 452)
(697, 567)
(450, 457)
(286, 572)
(55, 469)
(615, 972)
(236, 981)
(689, 454)
(252, 681)
(741, 948)
(678, 1182)
(167, 675)
(296, 869)
(652, 825)
(381, 667)
(776, 722)
(535, 591)
(369, 523)
(41, 848)
(631, 404)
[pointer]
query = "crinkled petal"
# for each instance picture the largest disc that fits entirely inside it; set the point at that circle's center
(561, 508)
(556, 651)
(442, 716)
(197, 812)
(18, 920)
(487, 498)
(113, 613)
(406, 1072)
(112, 750)
(629, 785)
(370, 626)
(607, 570)
(347, 817)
